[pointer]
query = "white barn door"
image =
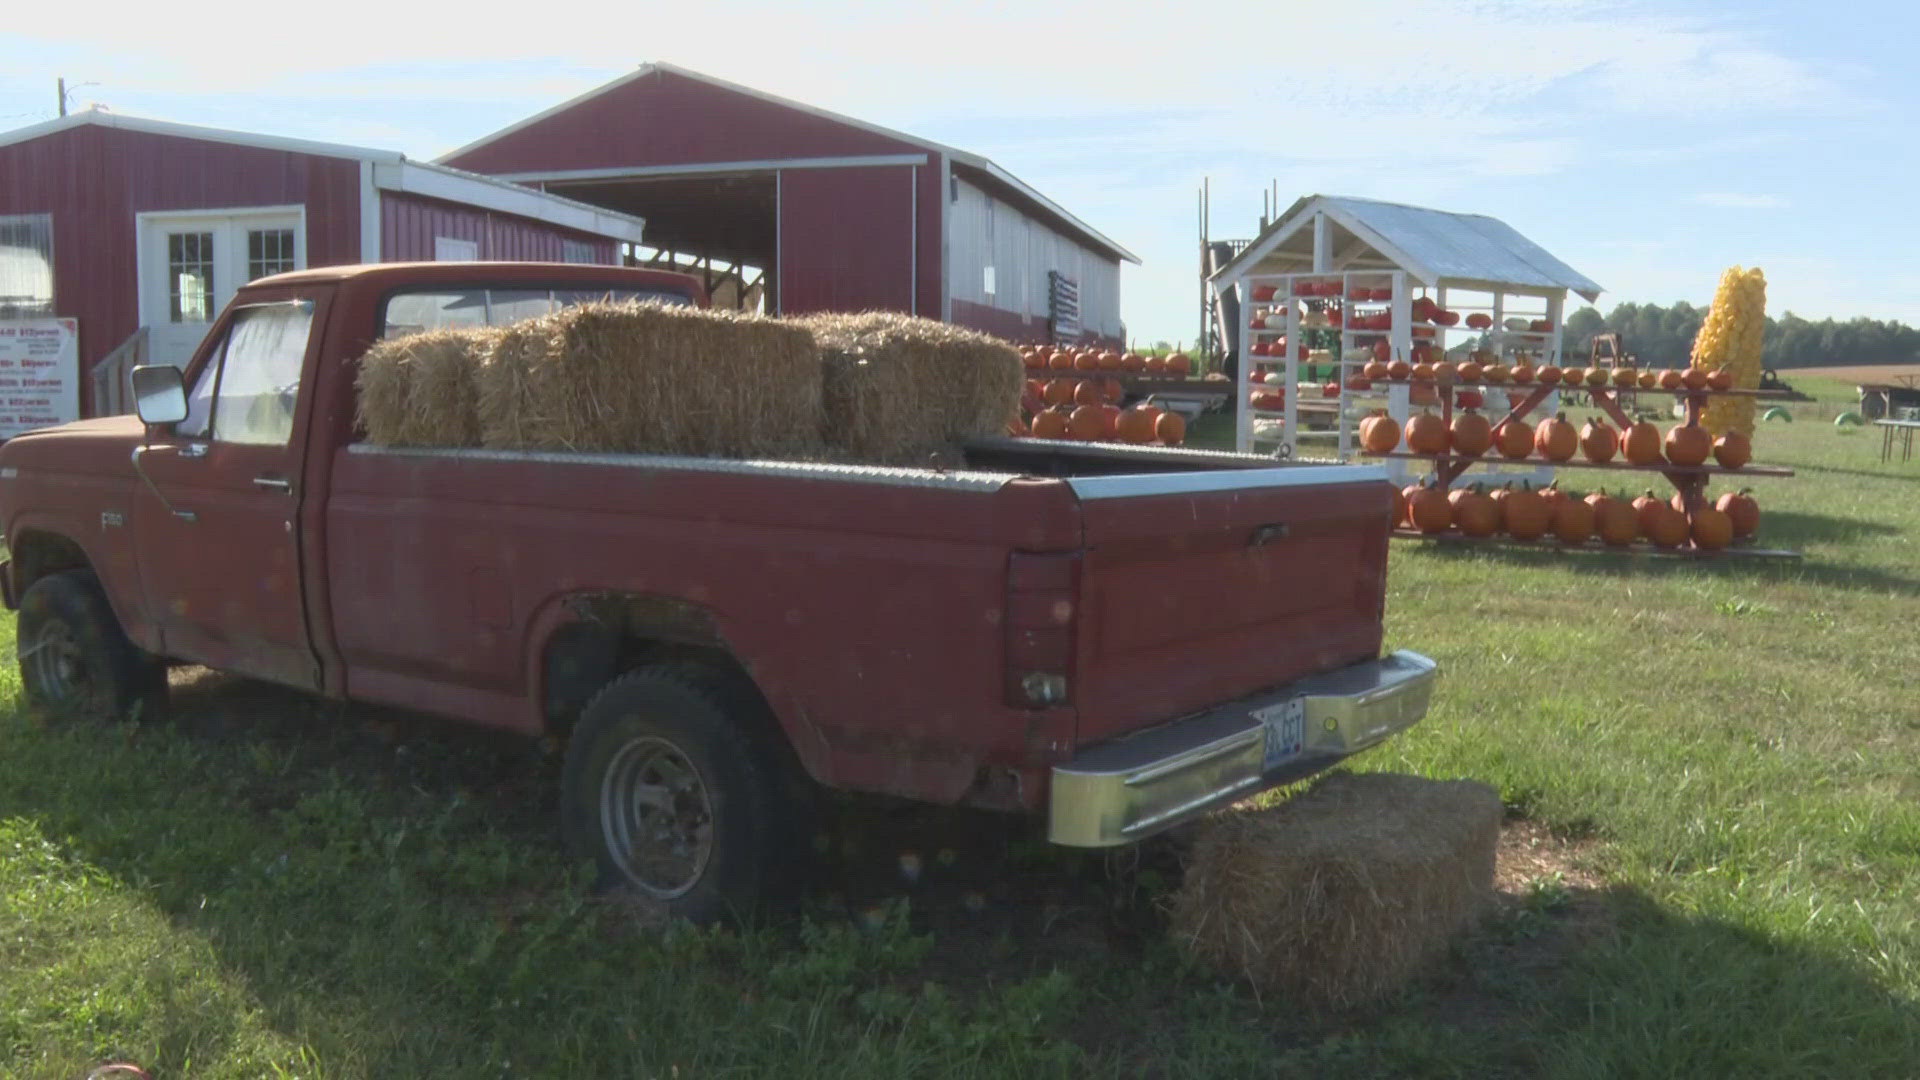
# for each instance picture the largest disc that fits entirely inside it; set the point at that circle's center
(192, 262)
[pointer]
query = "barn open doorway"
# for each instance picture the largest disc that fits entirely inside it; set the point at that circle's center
(722, 228)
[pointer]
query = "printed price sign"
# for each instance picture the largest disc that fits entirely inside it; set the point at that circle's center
(39, 374)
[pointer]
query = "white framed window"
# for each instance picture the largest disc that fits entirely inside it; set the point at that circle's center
(448, 249)
(26, 266)
(269, 251)
(577, 251)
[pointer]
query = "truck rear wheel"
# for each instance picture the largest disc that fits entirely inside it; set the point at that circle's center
(671, 787)
(75, 660)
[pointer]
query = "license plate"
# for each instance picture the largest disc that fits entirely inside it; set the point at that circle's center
(1286, 729)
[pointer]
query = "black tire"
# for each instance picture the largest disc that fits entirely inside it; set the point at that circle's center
(723, 828)
(76, 662)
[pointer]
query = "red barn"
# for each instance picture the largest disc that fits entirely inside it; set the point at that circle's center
(835, 214)
(142, 230)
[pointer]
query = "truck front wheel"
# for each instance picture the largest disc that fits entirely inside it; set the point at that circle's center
(671, 788)
(75, 661)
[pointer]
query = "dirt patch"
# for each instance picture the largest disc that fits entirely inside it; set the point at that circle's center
(1530, 855)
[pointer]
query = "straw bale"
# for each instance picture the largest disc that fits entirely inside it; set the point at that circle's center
(652, 378)
(1337, 896)
(897, 389)
(419, 390)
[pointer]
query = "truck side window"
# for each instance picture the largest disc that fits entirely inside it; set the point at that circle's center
(200, 398)
(259, 374)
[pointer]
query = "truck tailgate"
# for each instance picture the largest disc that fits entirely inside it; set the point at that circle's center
(1199, 588)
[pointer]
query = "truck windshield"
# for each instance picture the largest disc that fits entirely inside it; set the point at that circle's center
(435, 309)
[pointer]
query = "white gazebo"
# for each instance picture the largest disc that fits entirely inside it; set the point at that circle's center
(1360, 272)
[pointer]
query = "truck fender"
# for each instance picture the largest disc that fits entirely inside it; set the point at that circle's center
(43, 543)
(580, 641)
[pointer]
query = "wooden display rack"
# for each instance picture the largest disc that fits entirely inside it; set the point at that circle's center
(1689, 480)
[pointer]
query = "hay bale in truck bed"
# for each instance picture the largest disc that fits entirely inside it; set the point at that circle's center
(898, 389)
(420, 390)
(653, 379)
(1338, 895)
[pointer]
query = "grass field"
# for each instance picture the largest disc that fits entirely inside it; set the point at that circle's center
(1716, 839)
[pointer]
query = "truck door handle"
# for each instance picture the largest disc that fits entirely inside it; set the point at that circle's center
(273, 482)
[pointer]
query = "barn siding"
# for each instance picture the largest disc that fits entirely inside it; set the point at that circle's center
(409, 223)
(987, 231)
(846, 239)
(667, 119)
(94, 179)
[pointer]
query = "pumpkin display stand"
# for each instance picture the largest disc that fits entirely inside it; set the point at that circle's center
(1690, 481)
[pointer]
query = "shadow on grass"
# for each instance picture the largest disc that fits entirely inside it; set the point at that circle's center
(1598, 561)
(1901, 478)
(388, 891)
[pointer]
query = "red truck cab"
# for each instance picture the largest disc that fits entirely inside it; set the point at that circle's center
(1116, 638)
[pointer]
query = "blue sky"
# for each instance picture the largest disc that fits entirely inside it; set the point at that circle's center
(1648, 145)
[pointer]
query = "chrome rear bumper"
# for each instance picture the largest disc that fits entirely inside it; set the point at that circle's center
(1129, 789)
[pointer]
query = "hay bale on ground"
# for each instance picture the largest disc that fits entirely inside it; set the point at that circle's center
(421, 389)
(651, 378)
(896, 389)
(1338, 895)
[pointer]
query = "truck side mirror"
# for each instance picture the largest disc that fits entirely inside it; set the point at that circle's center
(159, 395)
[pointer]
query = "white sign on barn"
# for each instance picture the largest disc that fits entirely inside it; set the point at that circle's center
(39, 374)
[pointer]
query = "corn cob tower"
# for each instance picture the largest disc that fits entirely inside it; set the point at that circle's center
(1731, 339)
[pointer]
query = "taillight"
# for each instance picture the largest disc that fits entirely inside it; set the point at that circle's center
(1041, 612)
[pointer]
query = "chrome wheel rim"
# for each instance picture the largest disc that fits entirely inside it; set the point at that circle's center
(60, 670)
(656, 817)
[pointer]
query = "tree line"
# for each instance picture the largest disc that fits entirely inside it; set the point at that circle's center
(1663, 337)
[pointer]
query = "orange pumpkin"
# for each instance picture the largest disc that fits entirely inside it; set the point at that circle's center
(1179, 364)
(1400, 370)
(1086, 361)
(1548, 375)
(1112, 391)
(1741, 510)
(1522, 373)
(1031, 359)
(1643, 510)
(1475, 513)
(1110, 421)
(1694, 378)
(1374, 369)
(1649, 379)
(1444, 372)
(1472, 433)
(1640, 444)
(1495, 374)
(1671, 379)
(1712, 530)
(1426, 433)
(1089, 392)
(1108, 361)
(1597, 377)
(1428, 510)
(1087, 423)
(1688, 444)
(1136, 424)
(1399, 509)
(1625, 378)
(1423, 372)
(1664, 525)
(1573, 521)
(1525, 515)
(1471, 371)
(1051, 424)
(1513, 438)
(1614, 521)
(1156, 365)
(1379, 433)
(1060, 360)
(1732, 450)
(1059, 391)
(1406, 503)
(1719, 379)
(1170, 429)
(1133, 362)
(1555, 438)
(1599, 441)
(1553, 495)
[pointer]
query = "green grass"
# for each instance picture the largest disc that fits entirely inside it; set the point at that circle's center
(279, 887)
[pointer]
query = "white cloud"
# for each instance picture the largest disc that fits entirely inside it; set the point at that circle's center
(1734, 200)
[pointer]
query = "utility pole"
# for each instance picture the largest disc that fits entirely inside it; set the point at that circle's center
(63, 95)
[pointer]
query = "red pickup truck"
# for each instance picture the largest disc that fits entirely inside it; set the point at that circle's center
(1118, 639)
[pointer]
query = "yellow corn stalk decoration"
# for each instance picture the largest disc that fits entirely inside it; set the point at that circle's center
(1731, 339)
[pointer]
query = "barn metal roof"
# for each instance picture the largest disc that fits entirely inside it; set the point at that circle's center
(1433, 245)
(983, 167)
